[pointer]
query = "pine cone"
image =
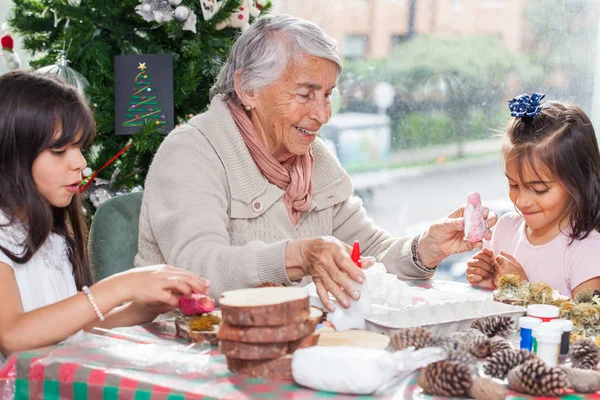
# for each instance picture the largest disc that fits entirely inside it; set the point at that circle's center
(446, 378)
(464, 358)
(501, 362)
(536, 378)
(447, 343)
(496, 325)
(498, 343)
(418, 337)
(584, 354)
(475, 341)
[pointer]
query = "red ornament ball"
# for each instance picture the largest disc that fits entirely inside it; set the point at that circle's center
(7, 42)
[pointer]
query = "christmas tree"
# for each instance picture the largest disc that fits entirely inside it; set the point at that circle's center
(95, 31)
(144, 106)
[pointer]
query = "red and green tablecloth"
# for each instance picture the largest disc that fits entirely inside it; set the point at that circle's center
(149, 363)
(78, 370)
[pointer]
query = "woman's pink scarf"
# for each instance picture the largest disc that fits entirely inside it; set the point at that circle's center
(294, 175)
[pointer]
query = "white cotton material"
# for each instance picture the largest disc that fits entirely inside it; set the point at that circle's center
(350, 370)
(355, 370)
(352, 317)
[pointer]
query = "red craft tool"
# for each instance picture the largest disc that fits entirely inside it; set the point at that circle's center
(356, 254)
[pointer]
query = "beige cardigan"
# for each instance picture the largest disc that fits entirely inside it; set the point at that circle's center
(208, 209)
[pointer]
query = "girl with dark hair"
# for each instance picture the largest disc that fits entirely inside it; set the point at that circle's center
(44, 271)
(552, 164)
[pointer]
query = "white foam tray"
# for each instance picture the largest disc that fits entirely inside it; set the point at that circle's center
(440, 318)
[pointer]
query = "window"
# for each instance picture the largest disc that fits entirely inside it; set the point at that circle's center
(355, 47)
(451, 81)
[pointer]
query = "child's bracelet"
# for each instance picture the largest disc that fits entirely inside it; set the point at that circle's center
(86, 290)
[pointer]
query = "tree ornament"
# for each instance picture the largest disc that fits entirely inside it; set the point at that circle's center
(536, 378)
(417, 337)
(209, 8)
(62, 69)
(8, 50)
(182, 13)
(495, 325)
(163, 11)
(584, 354)
(100, 195)
(501, 362)
(241, 17)
(153, 10)
(190, 23)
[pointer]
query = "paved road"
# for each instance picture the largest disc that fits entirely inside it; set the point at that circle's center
(408, 204)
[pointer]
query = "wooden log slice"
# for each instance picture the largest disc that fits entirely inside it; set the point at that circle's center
(305, 342)
(253, 351)
(266, 306)
(264, 351)
(182, 330)
(270, 334)
(278, 368)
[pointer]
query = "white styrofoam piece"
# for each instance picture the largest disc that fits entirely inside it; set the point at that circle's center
(378, 306)
(439, 318)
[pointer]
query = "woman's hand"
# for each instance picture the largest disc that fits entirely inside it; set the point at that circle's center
(506, 264)
(328, 261)
(480, 269)
(446, 237)
(367, 262)
(158, 286)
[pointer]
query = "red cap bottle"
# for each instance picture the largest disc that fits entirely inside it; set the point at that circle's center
(356, 254)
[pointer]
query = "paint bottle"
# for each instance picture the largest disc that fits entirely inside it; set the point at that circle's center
(567, 328)
(526, 325)
(547, 339)
(545, 312)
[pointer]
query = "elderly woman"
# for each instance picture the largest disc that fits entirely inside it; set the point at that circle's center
(246, 193)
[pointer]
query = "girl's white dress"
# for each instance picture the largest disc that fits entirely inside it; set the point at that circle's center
(47, 277)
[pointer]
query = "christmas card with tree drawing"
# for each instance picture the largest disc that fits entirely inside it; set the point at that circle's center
(143, 92)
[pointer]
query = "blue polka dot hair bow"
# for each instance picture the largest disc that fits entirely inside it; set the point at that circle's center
(525, 106)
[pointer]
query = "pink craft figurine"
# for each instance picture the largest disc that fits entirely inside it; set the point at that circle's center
(196, 304)
(475, 226)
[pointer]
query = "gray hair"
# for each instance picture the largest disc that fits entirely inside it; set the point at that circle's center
(263, 51)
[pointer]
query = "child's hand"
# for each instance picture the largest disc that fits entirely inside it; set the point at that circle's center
(159, 284)
(506, 264)
(480, 269)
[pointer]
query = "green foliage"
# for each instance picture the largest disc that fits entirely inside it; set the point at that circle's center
(447, 89)
(101, 29)
(425, 128)
(473, 67)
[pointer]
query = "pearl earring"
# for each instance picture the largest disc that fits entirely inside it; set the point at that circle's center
(248, 108)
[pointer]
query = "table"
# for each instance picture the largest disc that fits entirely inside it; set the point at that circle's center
(137, 363)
